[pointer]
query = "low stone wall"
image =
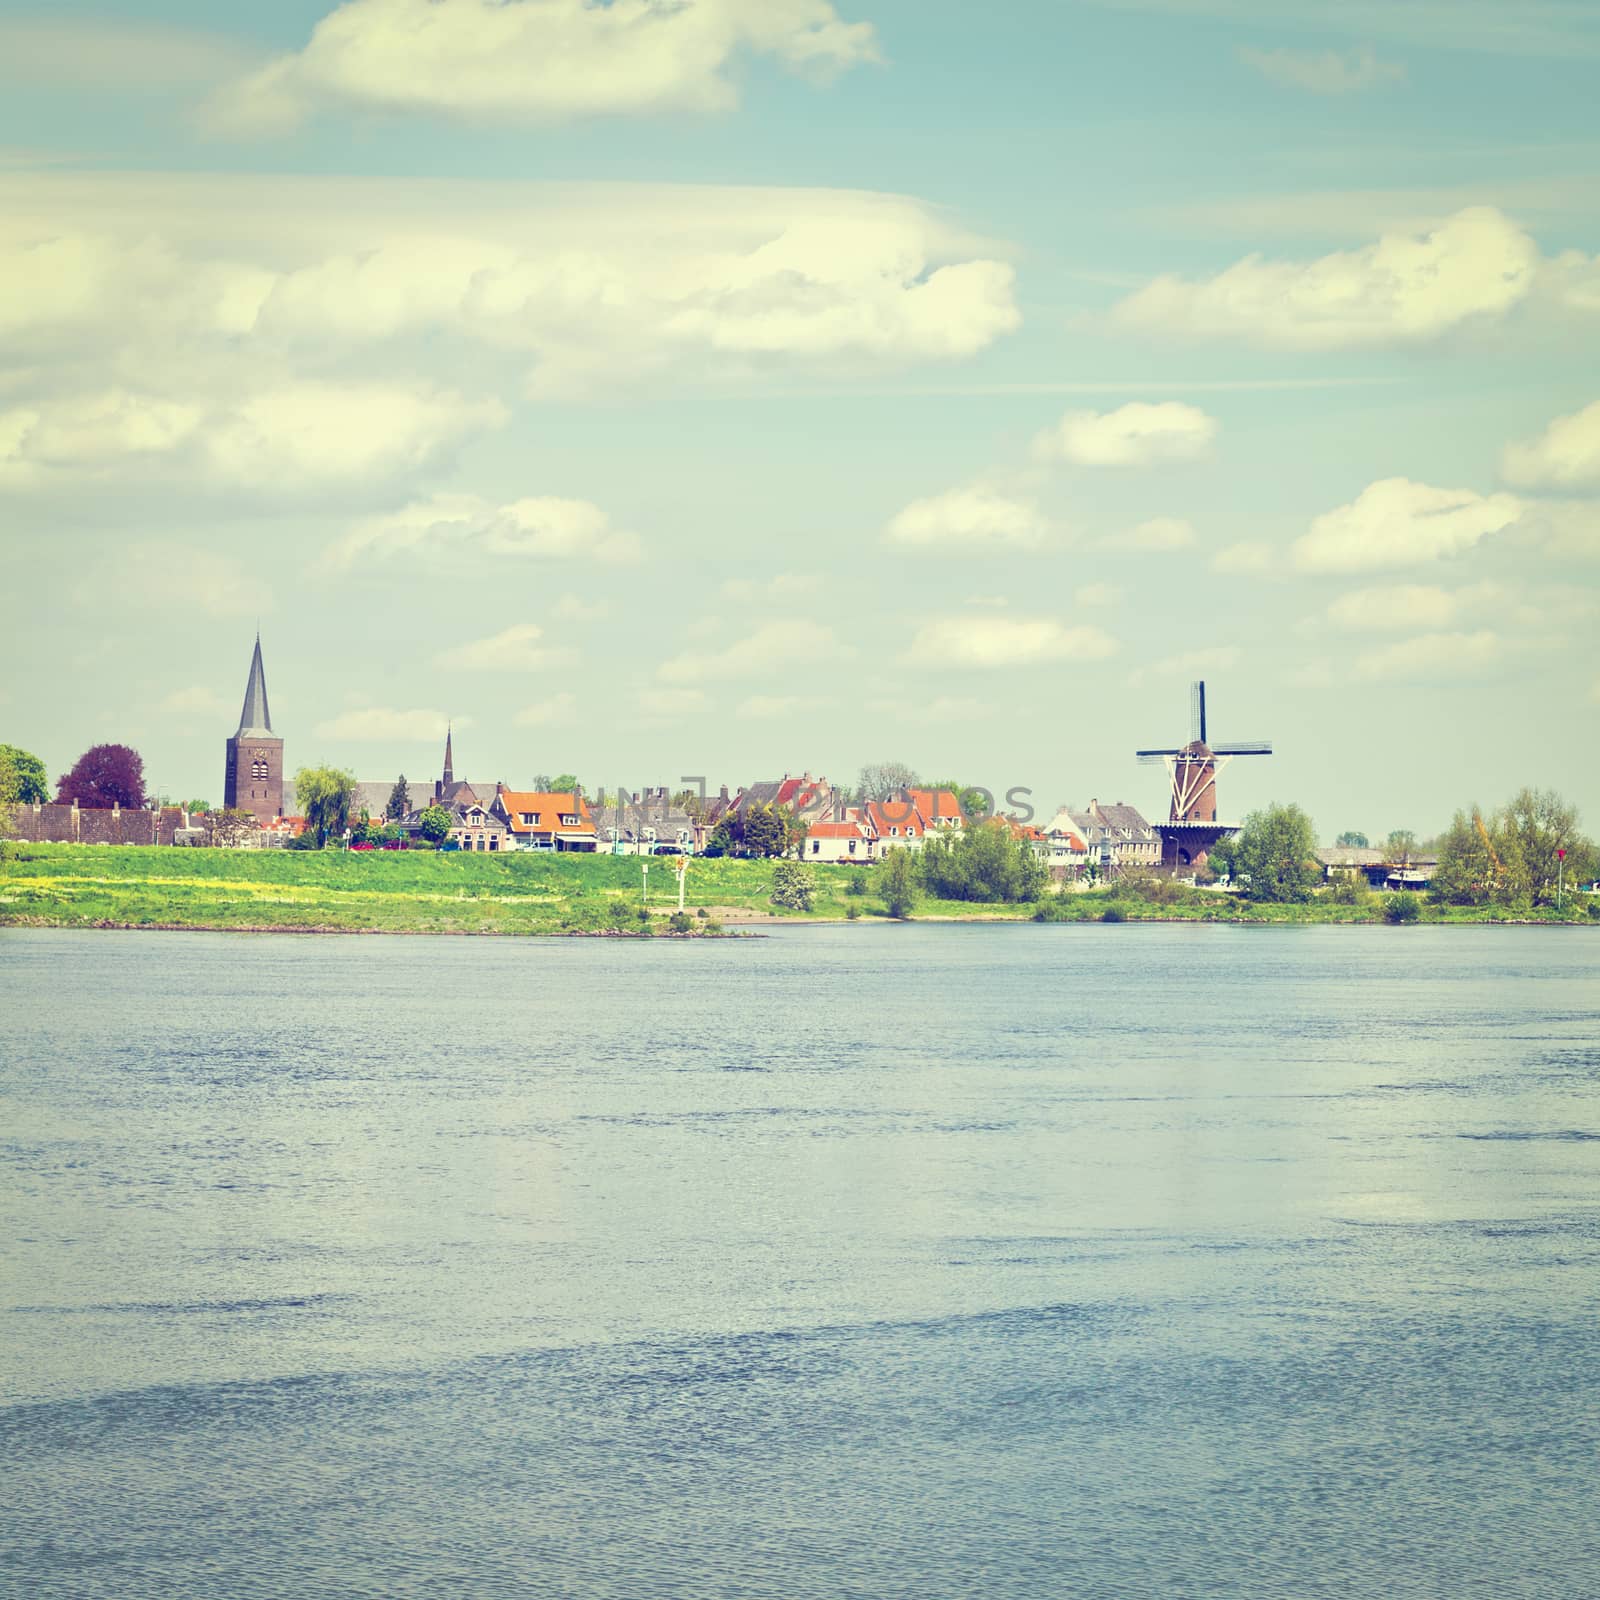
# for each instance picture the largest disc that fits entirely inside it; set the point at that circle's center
(41, 824)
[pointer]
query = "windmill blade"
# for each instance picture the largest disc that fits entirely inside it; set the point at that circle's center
(1244, 747)
(1151, 756)
(1197, 711)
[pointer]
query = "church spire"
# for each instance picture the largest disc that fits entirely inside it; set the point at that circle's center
(255, 718)
(449, 765)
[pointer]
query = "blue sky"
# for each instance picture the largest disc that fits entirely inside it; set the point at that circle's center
(755, 385)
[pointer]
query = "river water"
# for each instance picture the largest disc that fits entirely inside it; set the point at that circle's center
(879, 1261)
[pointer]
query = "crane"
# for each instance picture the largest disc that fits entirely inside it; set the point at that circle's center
(1488, 844)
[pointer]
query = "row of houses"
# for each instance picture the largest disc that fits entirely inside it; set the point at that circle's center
(491, 817)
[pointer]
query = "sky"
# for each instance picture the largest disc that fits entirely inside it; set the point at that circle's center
(726, 388)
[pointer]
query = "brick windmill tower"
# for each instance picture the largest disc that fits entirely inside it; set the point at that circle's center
(1191, 830)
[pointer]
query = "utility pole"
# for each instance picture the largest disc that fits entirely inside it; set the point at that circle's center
(1561, 877)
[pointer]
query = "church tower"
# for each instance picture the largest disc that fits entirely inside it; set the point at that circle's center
(253, 780)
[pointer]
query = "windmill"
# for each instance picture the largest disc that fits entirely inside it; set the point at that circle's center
(1191, 829)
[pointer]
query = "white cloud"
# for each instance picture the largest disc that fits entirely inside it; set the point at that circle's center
(384, 725)
(541, 528)
(197, 699)
(1433, 657)
(1568, 530)
(1475, 266)
(785, 586)
(1247, 556)
(538, 61)
(767, 707)
(971, 516)
(557, 711)
(1098, 594)
(164, 575)
(1138, 434)
(290, 437)
(105, 53)
(1405, 607)
(516, 649)
(1158, 533)
(942, 708)
(771, 648)
(1191, 663)
(666, 705)
(259, 309)
(572, 608)
(964, 642)
(1565, 456)
(1397, 523)
(1323, 71)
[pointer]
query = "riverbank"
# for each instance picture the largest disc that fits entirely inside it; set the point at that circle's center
(274, 891)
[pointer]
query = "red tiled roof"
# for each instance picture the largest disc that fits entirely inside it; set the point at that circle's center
(549, 808)
(836, 830)
(938, 807)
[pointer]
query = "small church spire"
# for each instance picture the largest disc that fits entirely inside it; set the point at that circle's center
(449, 765)
(255, 717)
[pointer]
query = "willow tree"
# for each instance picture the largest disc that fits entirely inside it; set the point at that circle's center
(324, 795)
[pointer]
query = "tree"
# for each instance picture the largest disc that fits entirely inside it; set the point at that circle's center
(399, 801)
(987, 861)
(1276, 850)
(324, 795)
(1530, 831)
(22, 777)
(1400, 847)
(1467, 874)
(897, 882)
(793, 885)
(104, 775)
(975, 801)
(753, 831)
(197, 808)
(435, 825)
(880, 779)
(1351, 839)
(563, 783)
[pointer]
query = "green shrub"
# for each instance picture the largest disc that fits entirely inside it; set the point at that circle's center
(853, 913)
(1401, 907)
(1349, 889)
(702, 912)
(680, 922)
(794, 886)
(1113, 914)
(857, 882)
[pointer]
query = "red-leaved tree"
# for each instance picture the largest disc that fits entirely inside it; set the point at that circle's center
(103, 776)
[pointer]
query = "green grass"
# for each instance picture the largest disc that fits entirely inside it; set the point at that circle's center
(395, 891)
(422, 892)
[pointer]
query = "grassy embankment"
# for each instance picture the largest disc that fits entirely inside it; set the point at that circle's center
(415, 892)
(379, 891)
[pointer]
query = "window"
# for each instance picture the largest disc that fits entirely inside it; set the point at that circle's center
(852, 847)
(528, 818)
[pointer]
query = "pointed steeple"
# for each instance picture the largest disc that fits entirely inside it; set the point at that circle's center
(449, 765)
(255, 718)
